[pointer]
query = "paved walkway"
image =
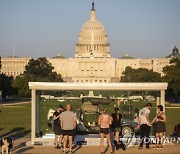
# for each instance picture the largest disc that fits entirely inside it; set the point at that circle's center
(20, 147)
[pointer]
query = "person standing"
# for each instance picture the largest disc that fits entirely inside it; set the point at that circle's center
(104, 121)
(116, 124)
(160, 128)
(118, 103)
(68, 124)
(145, 124)
(57, 127)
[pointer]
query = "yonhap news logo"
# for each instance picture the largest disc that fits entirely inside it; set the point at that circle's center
(130, 141)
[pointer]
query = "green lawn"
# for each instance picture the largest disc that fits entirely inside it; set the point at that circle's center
(15, 120)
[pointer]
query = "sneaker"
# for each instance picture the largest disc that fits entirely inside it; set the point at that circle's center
(71, 151)
(59, 147)
(160, 147)
(64, 151)
(140, 147)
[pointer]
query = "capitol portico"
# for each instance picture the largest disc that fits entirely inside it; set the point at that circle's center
(92, 62)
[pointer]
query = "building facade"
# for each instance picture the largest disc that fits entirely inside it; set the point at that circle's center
(13, 66)
(92, 61)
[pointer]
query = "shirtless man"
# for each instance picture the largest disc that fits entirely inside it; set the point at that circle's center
(105, 120)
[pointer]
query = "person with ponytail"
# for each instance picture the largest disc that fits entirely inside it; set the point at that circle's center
(116, 124)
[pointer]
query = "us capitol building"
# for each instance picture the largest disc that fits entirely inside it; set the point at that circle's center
(92, 61)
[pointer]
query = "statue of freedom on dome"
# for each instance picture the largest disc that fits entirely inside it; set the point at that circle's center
(92, 7)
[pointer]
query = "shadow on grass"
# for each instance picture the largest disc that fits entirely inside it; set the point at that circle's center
(16, 133)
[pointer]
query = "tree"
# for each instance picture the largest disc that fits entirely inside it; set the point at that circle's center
(6, 85)
(37, 70)
(21, 84)
(172, 76)
(127, 74)
(140, 75)
(40, 67)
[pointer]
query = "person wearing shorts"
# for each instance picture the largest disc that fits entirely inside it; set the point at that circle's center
(57, 127)
(116, 124)
(104, 121)
(68, 124)
(160, 129)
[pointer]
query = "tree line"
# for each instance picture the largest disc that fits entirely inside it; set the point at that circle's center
(39, 70)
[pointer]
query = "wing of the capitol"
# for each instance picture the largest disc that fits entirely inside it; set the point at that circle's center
(92, 61)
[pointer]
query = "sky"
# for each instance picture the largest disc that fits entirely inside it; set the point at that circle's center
(44, 28)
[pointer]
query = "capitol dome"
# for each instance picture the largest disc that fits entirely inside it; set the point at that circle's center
(92, 40)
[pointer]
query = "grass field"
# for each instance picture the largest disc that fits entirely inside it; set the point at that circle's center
(16, 120)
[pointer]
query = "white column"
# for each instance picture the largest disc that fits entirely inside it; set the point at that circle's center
(33, 115)
(163, 99)
(157, 102)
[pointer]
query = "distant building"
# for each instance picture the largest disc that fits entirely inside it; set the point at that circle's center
(175, 53)
(13, 66)
(92, 62)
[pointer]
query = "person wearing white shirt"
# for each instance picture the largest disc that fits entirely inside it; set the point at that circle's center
(144, 124)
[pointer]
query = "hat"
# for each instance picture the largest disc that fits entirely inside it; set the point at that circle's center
(60, 106)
